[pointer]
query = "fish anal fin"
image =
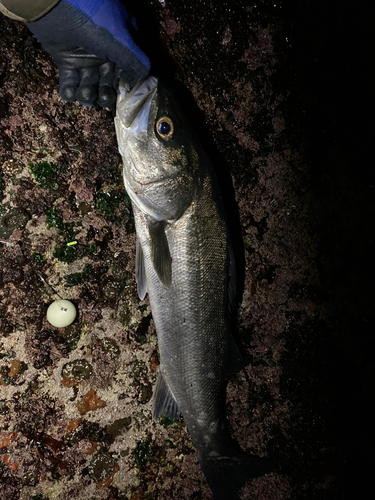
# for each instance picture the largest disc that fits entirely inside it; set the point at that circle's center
(140, 272)
(163, 402)
(159, 251)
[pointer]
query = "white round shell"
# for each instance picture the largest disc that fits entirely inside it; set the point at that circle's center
(61, 313)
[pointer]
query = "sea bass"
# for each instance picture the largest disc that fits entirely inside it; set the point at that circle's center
(184, 262)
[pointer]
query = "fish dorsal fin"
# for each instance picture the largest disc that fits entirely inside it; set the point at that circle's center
(159, 251)
(140, 272)
(163, 401)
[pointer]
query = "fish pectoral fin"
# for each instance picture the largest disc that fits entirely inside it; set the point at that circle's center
(159, 251)
(140, 271)
(163, 401)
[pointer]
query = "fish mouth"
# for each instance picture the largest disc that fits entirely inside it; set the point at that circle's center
(134, 106)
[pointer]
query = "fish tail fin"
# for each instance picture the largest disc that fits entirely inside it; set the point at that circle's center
(227, 474)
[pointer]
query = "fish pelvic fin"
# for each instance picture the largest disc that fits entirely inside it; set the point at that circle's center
(160, 256)
(163, 401)
(226, 475)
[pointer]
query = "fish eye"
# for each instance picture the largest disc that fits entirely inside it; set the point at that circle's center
(165, 128)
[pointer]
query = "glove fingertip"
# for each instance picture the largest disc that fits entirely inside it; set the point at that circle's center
(86, 95)
(68, 93)
(107, 97)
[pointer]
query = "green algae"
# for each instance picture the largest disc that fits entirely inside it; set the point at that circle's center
(142, 453)
(54, 219)
(65, 254)
(69, 254)
(79, 278)
(45, 174)
(71, 250)
(37, 258)
(167, 421)
(115, 203)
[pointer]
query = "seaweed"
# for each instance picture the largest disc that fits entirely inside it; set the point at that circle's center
(37, 258)
(115, 203)
(142, 453)
(71, 250)
(45, 174)
(54, 219)
(69, 254)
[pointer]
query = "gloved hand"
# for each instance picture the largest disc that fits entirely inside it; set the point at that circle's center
(91, 43)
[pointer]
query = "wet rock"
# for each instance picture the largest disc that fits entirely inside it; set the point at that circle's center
(11, 167)
(11, 219)
(43, 335)
(11, 275)
(77, 370)
(4, 408)
(83, 429)
(111, 290)
(30, 478)
(71, 335)
(43, 361)
(78, 278)
(101, 467)
(109, 347)
(140, 381)
(6, 326)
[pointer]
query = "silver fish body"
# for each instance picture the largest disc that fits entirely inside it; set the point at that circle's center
(184, 263)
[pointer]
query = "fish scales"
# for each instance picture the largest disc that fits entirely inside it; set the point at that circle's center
(191, 315)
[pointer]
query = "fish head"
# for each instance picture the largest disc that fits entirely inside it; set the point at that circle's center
(161, 164)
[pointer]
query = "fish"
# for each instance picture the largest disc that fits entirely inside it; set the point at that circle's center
(184, 261)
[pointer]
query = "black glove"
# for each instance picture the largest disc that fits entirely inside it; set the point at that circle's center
(91, 44)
